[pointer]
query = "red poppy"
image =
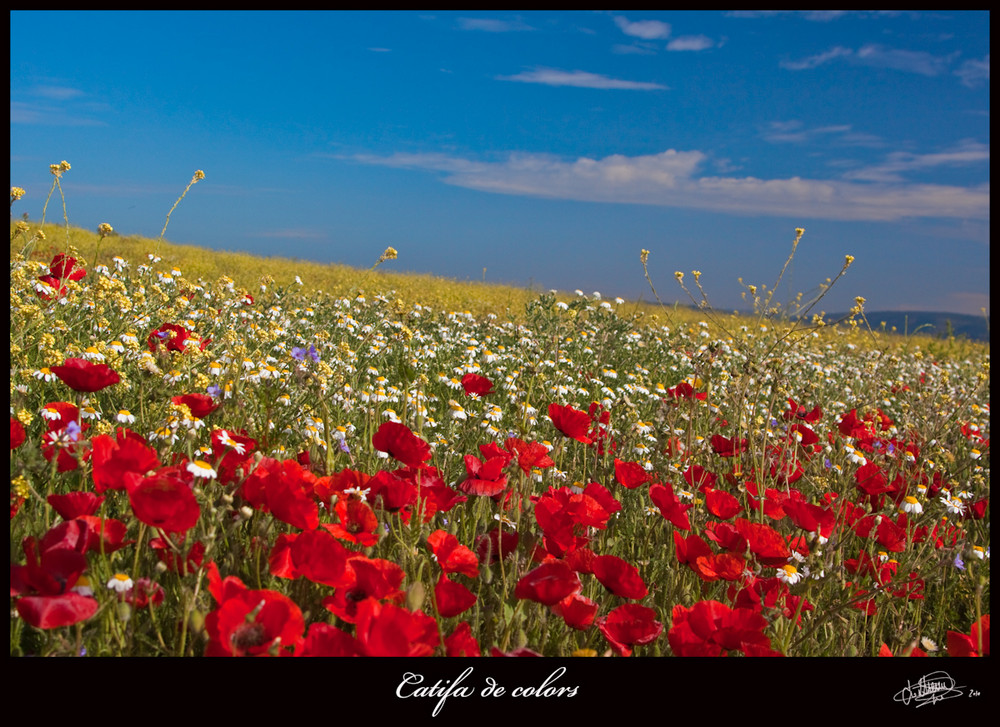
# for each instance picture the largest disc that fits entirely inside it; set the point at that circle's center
(722, 504)
(529, 454)
(700, 478)
(171, 555)
(74, 504)
(80, 374)
(798, 411)
(64, 267)
(629, 625)
(461, 642)
(631, 475)
(365, 578)
(689, 549)
(975, 643)
(435, 496)
(710, 628)
(548, 584)
(60, 413)
(61, 269)
(164, 500)
(390, 630)
(603, 497)
(234, 451)
(312, 554)
(670, 507)
(712, 567)
(452, 556)
(174, 338)
(571, 422)
(726, 536)
(113, 458)
(253, 623)
(619, 577)
(68, 445)
(145, 594)
(43, 585)
(476, 385)
(106, 534)
(765, 542)
(684, 390)
(805, 437)
(452, 598)
(811, 518)
(358, 523)
(324, 639)
(726, 447)
(289, 494)
(484, 478)
(339, 482)
(200, 405)
(401, 444)
(496, 544)
(891, 536)
(518, 652)
(17, 435)
(577, 611)
(393, 493)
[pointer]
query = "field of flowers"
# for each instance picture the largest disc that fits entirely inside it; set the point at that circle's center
(199, 468)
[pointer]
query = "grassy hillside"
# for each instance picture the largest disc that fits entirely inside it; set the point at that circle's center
(248, 272)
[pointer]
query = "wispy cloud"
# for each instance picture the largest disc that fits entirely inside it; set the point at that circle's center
(926, 64)
(493, 25)
(645, 29)
(580, 79)
(671, 179)
(22, 112)
(637, 48)
(974, 73)
(56, 93)
(898, 163)
(690, 42)
(878, 56)
(56, 105)
(795, 132)
(817, 60)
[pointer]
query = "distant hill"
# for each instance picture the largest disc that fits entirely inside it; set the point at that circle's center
(935, 324)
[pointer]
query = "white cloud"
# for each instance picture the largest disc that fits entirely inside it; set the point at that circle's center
(910, 61)
(878, 56)
(896, 163)
(580, 79)
(643, 49)
(973, 72)
(491, 25)
(57, 105)
(48, 115)
(793, 132)
(690, 42)
(670, 179)
(645, 29)
(817, 60)
(56, 93)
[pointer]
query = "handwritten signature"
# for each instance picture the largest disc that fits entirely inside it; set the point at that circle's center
(930, 689)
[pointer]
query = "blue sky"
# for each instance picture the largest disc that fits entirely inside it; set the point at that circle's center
(547, 147)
